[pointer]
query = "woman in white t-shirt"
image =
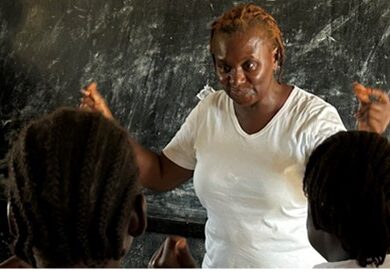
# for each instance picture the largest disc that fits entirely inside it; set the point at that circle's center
(246, 147)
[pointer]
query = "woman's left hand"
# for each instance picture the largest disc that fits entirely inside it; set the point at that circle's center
(374, 111)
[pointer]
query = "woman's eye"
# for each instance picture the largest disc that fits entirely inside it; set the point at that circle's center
(249, 66)
(224, 68)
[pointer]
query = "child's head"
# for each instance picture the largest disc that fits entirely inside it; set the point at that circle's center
(73, 194)
(347, 182)
(242, 18)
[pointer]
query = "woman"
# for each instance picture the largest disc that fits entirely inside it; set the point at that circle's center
(246, 147)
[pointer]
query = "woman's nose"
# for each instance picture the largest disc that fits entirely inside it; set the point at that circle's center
(237, 77)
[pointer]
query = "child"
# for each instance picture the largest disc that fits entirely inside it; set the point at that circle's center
(73, 193)
(347, 182)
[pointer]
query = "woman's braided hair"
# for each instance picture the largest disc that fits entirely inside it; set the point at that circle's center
(243, 16)
(347, 182)
(73, 181)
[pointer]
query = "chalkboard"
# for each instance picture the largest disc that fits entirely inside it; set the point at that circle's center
(150, 59)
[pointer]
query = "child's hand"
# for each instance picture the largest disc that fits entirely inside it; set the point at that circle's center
(173, 253)
(374, 111)
(92, 100)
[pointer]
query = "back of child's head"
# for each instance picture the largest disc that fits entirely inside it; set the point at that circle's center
(347, 182)
(73, 180)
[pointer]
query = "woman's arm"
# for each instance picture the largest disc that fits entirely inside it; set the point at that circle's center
(157, 172)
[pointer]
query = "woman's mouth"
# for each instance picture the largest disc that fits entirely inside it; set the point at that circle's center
(241, 91)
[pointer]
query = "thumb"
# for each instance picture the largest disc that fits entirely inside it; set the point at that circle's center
(93, 91)
(184, 255)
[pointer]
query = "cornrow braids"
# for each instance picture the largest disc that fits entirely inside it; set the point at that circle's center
(347, 182)
(243, 16)
(72, 184)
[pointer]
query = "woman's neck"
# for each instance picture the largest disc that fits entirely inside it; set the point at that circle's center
(253, 118)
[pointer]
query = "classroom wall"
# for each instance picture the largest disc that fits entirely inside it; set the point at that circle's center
(150, 59)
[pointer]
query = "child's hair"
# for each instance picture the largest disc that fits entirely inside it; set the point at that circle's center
(347, 182)
(243, 16)
(73, 180)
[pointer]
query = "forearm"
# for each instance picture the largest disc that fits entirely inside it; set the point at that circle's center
(157, 172)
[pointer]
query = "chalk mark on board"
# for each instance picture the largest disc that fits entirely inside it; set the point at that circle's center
(325, 33)
(364, 69)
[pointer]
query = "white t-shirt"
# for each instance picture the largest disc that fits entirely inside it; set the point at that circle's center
(251, 184)
(352, 264)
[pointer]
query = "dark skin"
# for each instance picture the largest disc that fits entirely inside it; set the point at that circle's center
(327, 244)
(245, 64)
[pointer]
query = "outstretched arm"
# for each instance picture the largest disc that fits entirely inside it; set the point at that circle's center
(157, 172)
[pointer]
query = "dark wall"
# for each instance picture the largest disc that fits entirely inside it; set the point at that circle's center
(150, 59)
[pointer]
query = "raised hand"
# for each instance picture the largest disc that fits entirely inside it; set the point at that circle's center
(374, 111)
(173, 253)
(92, 100)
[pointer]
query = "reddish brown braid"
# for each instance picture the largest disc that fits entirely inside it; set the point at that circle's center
(243, 16)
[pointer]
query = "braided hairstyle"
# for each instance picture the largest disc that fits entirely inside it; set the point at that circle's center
(73, 181)
(244, 16)
(347, 182)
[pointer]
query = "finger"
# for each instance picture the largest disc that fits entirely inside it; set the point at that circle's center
(91, 86)
(361, 92)
(379, 111)
(184, 255)
(362, 111)
(85, 107)
(94, 92)
(84, 92)
(360, 115)
(169, 246)
(155, 258)
(89, 102)
(381, 95)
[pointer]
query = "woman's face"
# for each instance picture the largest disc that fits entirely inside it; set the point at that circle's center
(245, 64)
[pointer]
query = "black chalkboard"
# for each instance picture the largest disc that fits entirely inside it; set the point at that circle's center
(150, 59)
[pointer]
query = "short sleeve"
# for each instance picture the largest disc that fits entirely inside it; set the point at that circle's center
(327, 123)
(180, 149)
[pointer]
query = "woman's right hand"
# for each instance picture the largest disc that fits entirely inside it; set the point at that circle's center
(92, 100)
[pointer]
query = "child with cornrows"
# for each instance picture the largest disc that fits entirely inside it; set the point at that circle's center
(246, 147)
(347, 183)
(74, 198)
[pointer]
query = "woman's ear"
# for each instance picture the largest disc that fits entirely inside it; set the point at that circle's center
(275, 59)
(137, 224)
